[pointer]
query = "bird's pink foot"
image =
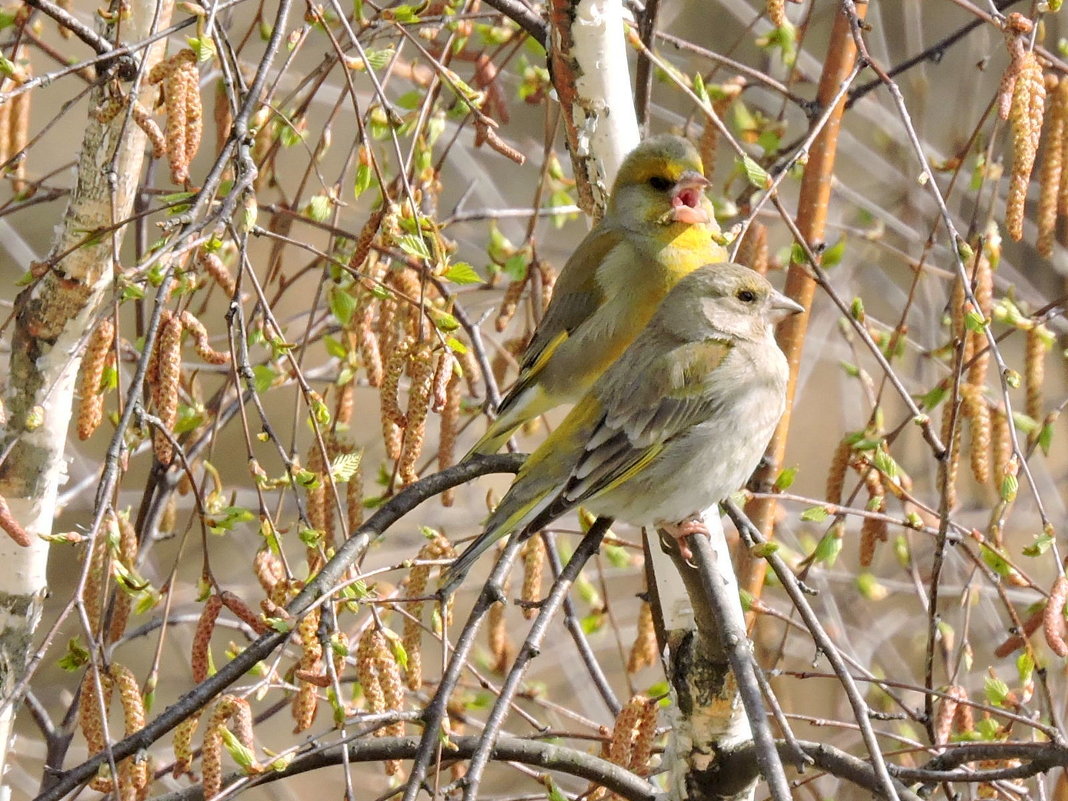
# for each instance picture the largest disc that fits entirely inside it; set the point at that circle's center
(694, 524)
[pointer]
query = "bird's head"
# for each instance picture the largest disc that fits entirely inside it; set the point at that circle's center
(724, 301)
(661, 182)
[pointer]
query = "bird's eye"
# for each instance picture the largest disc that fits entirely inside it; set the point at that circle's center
(660, 183)
(746, 296)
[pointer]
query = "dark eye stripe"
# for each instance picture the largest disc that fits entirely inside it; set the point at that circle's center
(660, 183)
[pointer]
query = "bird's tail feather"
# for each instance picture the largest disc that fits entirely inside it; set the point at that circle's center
(521, 404)
(501, 523)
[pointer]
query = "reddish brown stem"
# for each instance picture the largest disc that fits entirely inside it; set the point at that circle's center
(811, 221)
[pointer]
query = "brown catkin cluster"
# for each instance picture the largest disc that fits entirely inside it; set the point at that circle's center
(631, 743)
(163, 377)
(1002, 441)
(977, 410)
(978, 355)
(133, 771)
(200, 340)
(212, 264)
(1019, 639)
(222, 115)
(510, 302)
(393, 418)
(141, 117)
(776, 10)
(547, 276)
(1035, 372)
(94, 596)
(180, 81)
(1053, 617)
(120, 609)
(15, 120)
(201, 658)
(432, 388)
(533, 556)
(379, 675)
(837, 474)
(643, 652)
(421, 370)
(320, 498)
(243, 612)
(873, 530)
(364, 322)
(438, 547)
(165, 370)
(306, 700)
(1022, 102)
(1053, 188)
(229, 708)
(448, 429)
(91, 715)
(97, 350)
(949, 466)
(954, 714)
(182, 743)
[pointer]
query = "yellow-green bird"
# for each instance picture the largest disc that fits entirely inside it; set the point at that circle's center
(679, 422)
(657, 228)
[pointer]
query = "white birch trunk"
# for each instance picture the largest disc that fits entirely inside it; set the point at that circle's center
(53, 317)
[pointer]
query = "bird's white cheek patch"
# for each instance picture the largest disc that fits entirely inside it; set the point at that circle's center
(711, 309)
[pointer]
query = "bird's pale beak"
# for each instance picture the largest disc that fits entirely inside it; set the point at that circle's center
(783, 306)
(686, 198)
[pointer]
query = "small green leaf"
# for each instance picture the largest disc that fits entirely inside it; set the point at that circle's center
(345, 465)
(870, 588)
(414, 245)
(974, 322)
(1045, 437)
(552, 790)
(856, 310)
(785, 479)
(264, 377)
(934, 396)
(995, 561)
(76, 657)
(1039, 546)
(241, 754)
(363, 179)
(515, 267)
(444, 321)
(335, 348)
(319, 208)
(1025, 667)
(833, 255)
(462, 273)
(755, 174)
(996, 690)
(815, 514)
(1010, 485)
(203, 46)
(885, 463)
(828, 548)
(342, 304)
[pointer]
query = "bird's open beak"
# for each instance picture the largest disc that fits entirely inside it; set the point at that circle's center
(686, 198)
(783, 306)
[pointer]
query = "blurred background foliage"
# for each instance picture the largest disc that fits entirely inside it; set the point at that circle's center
(412, 205)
